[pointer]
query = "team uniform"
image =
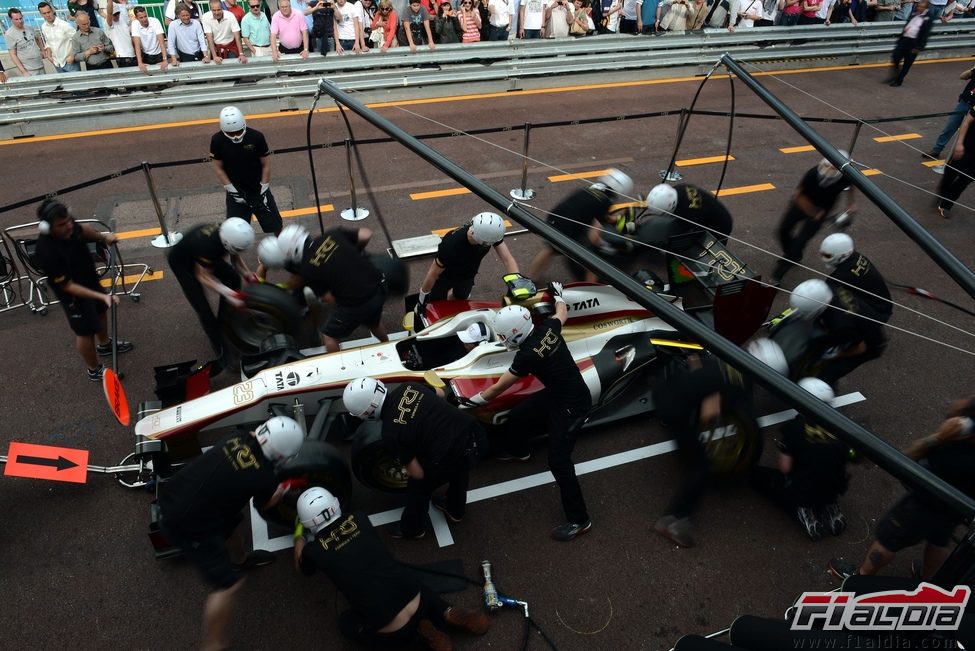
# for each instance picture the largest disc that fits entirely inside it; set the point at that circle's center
(699, 209)
(242, 164)
(460, 261)
(573, 217)
(859, 275)
(67, 261)
(845, 328)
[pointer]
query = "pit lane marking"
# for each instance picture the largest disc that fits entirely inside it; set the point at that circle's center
(441, 529)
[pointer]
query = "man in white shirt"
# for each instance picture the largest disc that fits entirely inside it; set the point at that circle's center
(119, 30)
(531, 19)
(57, 36)
(148, 41)
(348, 27)
(558, 18)
(744, 14)
(499, 16)
(223, 33)
(25, 45)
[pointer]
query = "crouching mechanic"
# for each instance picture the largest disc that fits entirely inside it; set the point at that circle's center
(560, 408)
(683, 209)
(387, 606)
(436, 443)
(201, 511)
(851, 269)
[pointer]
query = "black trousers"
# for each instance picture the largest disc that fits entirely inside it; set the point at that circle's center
(903, 52)
(695, 475)
(353, 625)
(462, 288)
(834, 369)
(795, 231)
(456, 475)
(196, 296)
(958, 175)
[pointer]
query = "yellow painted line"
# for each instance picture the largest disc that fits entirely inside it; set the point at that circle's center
(326, 207)
(871, 172)
(435, 194)
(933, 163)
(688, 162)
(745, 189)
(443, 231)
(558, 178)
(152, 232)
(145, 232)
(155, 275)
(796, 150)
(903, 136)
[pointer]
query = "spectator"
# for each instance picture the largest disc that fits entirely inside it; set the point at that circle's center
(25, 45)
(147, 40)
(965, 102)
(223, 34)
(446, 26)
(90, 44)
(746, 12)
(697, 11)
(770, 12)
(119, 29)
(369, 11)
(905, 10)
(531, 19)
(348, 27)
(499, 12)
(255, 30)
(481, 7)
(936, 9)
(86, 6)
(789, 12)
(580, 21)
(675, 19)
(322, 35)
(169, 14)
(909, 44)
(385, 24)
(186, 41)
(558, 18)
(646, 16)
(57, 38)
(289, 32)
(960, 167)
(235, 9)
(3, 74)
(629, 19)
(416, 26)
(885, 10)
(842, 11)
(810, 12)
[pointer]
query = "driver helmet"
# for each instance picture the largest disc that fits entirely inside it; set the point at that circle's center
(280, 438)
(292, 242)
(769, 353)
(232, 122)
(615, 181)
(363, 397)
(513, 324)
(818, 388)
(269, 253)
(662, 199)
(835, 249)
(236, 235)
(475, 333)
(810, 298)
(317, 508)
(487, 228)
(827, 172)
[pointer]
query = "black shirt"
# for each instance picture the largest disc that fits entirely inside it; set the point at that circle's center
(67, 261)
(458, 258)
(241, 161)
(334, 263)
(818, 462)
(954, 461)
(701, 207)
(351, 554)
(416, 423)
(217, 485)
(574, 215)
(847, 327)
(866, 281)
(545, 354)
(822, 194)
(968, 94)
(200, 245)
(678, 398)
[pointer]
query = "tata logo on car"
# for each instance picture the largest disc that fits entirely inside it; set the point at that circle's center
(291, 379)
(585, 305)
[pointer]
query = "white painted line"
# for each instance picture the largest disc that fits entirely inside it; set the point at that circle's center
(442, 529)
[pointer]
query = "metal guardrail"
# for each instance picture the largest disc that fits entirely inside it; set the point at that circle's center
(98, 93)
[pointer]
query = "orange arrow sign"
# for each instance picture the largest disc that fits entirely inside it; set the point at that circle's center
(46, 462)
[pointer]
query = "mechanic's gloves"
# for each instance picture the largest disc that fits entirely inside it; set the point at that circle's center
(299, 529)
(832, 353)
(236, 196)
(625, 223)
(264, 188)
(476, 400)
(421, 297)
(296, 484)
(556, 288)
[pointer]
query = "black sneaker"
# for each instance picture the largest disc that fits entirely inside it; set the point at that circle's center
(95, 375)
(398, 534)
(807, 517)
(569, 530)
(104, 350)
(440, 503)
(510, 456)
(834, 519)
(934, 153)
(676, 530)
(841, 569)
(256, 558)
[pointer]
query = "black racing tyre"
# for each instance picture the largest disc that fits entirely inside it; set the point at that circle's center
(396, 273)
(270, 310)
(320, 464)
(372, 464)
(798, 340)
(735, 445)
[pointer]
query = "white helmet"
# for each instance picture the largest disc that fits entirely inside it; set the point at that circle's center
(236, 235)
(270, 254)
(769, 353)
(810, 298)
(232, 121)
(363, 397)
(487, 228)
(513, 323)
(818, 388)
(616, 181)
(827, 171)
(291, 240)
(662, 199)
(280, 438)
(317, 508)
(835, 249)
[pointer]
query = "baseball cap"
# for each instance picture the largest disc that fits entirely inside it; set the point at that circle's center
(474, 333)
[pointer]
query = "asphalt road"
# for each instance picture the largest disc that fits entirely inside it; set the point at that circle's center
(78, 569)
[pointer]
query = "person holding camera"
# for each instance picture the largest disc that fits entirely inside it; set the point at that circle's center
(558, 19)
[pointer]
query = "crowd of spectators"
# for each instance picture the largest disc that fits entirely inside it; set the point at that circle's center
(123, 32)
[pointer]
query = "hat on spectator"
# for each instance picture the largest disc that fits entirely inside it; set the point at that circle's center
(474, 333)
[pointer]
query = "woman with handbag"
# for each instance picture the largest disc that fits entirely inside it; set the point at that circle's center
(384, 25)
(470, 22)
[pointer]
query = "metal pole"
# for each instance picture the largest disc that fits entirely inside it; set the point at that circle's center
(355, 213)
(670, 174)
(872, 446)
(944, 258)
(853, 140)
(168, 238)
(524, 193)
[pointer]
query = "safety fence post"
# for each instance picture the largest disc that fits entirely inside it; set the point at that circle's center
(671, 174)
(355, 213)
(167, 238)
(524, 193)
(853, 140)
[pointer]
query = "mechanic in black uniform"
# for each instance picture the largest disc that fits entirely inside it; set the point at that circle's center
(436, 443)
(808, 210)
(950, 454)
(197, 261)
(242, 162)
(201, 511)
(854, 332)
(560, 408)
(62, 253)
(688, 400)
(336, 269)
(388, 607)
(851, 269)
(459, 258)
(581, 216)
(812, 471)
(682, 209)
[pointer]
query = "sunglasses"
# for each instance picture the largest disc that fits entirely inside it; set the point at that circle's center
(254, 6)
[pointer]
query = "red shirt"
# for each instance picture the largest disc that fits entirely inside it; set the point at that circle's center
(237, 11)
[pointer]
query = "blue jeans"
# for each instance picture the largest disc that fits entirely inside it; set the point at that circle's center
(69, 67)
(935, 11)
(533, 33)
(498, 33)
(904, 12)
(951, 126)
(348, 44)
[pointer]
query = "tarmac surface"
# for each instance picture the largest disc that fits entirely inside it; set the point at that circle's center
(78, 569)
